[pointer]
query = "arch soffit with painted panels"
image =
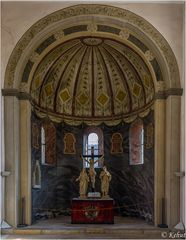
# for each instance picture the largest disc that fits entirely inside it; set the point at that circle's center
(97, 21)
(94, 13)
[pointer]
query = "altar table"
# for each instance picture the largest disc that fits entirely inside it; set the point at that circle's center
(92, 211)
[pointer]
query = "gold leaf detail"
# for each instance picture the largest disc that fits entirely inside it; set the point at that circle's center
(48, 89)
(82, 98)
(37, 81)
(64, 95)
(120, 96)
(103, 99)
(136, 89)
(146, 80)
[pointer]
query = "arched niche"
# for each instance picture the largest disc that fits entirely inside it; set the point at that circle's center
(94, 20)
(69, 143)
(36, 175)
(116, 143)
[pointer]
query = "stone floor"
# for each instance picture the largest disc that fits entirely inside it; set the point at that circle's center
(65, 222)
(61, 228)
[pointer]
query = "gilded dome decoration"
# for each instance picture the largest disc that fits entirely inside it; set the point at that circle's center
(92, 78)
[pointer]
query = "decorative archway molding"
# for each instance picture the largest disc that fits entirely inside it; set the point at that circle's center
(120, 17)
(47, 33)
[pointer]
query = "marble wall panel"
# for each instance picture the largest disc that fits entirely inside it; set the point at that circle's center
(132, 187)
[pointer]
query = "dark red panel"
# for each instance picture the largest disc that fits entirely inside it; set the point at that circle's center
(92, 211)
(50, 137)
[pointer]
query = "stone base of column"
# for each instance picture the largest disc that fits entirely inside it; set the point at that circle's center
(5, 225)
(180, 226)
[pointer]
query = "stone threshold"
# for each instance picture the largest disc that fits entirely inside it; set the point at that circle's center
(86, 231)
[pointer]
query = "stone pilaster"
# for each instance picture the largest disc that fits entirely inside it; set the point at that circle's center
(172, 161)
(159, 177)
(12, 160)
(25, 157)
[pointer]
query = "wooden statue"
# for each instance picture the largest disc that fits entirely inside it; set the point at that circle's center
(83, 183)
(92, 172)
(105, 177)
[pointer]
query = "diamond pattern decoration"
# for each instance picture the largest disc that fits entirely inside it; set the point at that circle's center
(37, 81)
(136, 89)
(120, 95)
(65, 95)
(49, 89)
(102, 99)
(146, 81)
(78, 78)
(82, 98)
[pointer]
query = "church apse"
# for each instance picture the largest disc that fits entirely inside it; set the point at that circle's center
(131, 187)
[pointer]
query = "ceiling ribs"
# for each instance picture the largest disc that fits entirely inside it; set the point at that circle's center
(123, 77)
(60, 79)
(76, 53)
(109, 82)
(136, 72)
(76, 81)
(92, 60)
(51, 68)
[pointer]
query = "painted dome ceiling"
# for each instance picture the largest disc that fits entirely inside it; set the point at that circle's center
(92, 78)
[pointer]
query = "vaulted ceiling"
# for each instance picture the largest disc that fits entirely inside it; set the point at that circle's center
(92, 78)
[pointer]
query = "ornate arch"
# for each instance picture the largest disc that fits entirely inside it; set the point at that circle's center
(91, 12)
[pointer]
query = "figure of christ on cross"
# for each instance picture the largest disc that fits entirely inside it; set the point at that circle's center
(91, 162)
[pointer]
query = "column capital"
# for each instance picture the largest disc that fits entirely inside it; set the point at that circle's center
(16, 93)
(169, 92)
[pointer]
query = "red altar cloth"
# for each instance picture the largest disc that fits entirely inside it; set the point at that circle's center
(92, 211)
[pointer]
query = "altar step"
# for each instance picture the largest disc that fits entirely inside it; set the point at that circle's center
(85, 233)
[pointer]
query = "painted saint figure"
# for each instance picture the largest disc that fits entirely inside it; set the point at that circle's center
(83, 183)
(92, 172)
(105, 177)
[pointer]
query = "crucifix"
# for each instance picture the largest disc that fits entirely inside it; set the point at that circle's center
(91, 162)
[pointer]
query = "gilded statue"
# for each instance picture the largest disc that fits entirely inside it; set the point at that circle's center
(105, 177)
(83, 183)
(92, 172)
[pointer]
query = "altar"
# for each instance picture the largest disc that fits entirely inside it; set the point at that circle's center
(97, 211)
